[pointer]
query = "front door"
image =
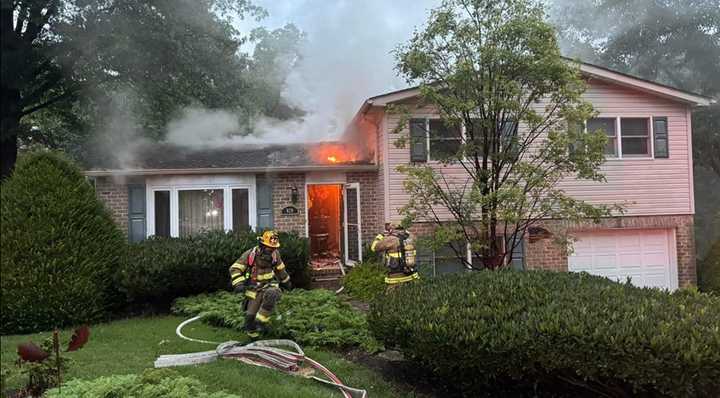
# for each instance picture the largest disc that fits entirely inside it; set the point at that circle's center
(351, 224)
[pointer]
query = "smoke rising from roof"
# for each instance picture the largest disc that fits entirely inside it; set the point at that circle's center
(345, 58)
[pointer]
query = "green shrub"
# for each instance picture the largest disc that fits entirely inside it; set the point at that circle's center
(153, 383)
(555, 332)
(60, 247)
(709, 270)
(365, 281)
(311, 317)
(159, 270)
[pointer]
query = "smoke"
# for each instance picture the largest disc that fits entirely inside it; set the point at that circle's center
(345, 58)
(121, 135)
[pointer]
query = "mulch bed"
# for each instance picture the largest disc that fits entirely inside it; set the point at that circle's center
(404, 374)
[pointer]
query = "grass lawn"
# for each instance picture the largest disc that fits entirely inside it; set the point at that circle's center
(132, 345)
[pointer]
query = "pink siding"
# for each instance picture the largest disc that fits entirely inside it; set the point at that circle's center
(397, 195)
(647, 186)
(656, 186)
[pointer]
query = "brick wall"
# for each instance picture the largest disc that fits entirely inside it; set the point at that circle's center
(371, 210)
(114, 193)
(282, 192)
(545, 254)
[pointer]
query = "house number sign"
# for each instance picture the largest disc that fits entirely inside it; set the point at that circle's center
(290, 210)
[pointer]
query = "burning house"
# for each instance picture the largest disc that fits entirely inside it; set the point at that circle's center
(339, 194)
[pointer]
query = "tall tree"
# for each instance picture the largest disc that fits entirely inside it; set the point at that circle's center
(493, 70)
(169, 52)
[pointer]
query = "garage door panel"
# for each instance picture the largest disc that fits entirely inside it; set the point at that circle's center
(641, 255)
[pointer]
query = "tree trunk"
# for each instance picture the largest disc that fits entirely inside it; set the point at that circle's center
(9, 126)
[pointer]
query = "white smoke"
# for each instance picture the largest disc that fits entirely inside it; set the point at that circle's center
(346, 58)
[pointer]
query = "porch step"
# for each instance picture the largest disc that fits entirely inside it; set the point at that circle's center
(326, 278)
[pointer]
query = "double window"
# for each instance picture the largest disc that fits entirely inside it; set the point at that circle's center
(433, 140)
(180, 211)
(632, 137)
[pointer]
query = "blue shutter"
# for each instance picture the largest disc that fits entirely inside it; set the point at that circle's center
(660, 132)
(264, 203)
(136, 212)
(418, 140)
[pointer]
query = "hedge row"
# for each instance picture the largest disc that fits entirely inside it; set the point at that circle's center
(159, 270)
(558, 332)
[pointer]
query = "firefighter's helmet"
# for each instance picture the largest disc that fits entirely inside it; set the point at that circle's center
(270, 239)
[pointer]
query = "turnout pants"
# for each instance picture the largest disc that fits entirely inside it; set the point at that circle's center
(262, 304)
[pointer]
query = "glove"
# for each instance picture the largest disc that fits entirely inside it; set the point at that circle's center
(240, 288)
(287, 285)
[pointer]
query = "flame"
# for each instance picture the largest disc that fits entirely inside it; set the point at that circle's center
(335, 153)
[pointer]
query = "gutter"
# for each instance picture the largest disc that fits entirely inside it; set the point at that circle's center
(230, 170)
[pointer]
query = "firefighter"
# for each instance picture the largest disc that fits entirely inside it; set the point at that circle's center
(399, 254)
(256, 275)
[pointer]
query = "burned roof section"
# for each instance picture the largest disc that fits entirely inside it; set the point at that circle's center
(162, 156)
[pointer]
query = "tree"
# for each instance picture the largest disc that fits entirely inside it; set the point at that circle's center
(493, 69)
(169, 53)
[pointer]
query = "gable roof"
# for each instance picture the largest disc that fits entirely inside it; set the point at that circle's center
(589, 70)
(161, 158)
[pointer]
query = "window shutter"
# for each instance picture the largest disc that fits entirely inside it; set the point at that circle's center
(418, 140)
(136, 212)
(264, 203)
(660, 131)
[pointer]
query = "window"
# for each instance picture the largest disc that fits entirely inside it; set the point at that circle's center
(179, 206)
(162, 213)
(200, 210)
(607, 125)
(445, 141)
(628, 137)
(446, 260)
(635, 136)
(240, 204)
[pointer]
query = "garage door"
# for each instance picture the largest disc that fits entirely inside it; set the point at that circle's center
(642, 255)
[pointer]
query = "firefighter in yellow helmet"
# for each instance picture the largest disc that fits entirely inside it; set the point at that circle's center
(399, 254)
(257, 274)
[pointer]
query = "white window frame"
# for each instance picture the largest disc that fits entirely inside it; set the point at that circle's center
(429, 159)
(175, 184)
(618, 135)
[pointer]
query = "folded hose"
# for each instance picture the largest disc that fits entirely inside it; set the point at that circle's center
(283, 355)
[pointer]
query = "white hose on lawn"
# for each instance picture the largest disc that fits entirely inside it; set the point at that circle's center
(265, 353)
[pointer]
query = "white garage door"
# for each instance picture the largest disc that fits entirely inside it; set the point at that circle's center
(643, 255)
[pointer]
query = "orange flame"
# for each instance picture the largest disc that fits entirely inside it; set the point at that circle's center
(332, 153)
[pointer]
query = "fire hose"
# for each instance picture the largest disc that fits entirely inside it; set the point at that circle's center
(282, 355)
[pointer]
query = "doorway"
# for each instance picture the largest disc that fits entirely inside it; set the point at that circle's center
(324, 222)
(333, 221)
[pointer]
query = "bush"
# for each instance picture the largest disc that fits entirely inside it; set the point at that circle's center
(548, 331)
(312, 317)
(60, 247)
(365, 281)
(152, 383)
(709, 270)
(159, 270)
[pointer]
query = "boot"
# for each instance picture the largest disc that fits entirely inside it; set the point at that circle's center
(251, 326)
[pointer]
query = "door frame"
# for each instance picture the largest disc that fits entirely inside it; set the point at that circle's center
(356, 186)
